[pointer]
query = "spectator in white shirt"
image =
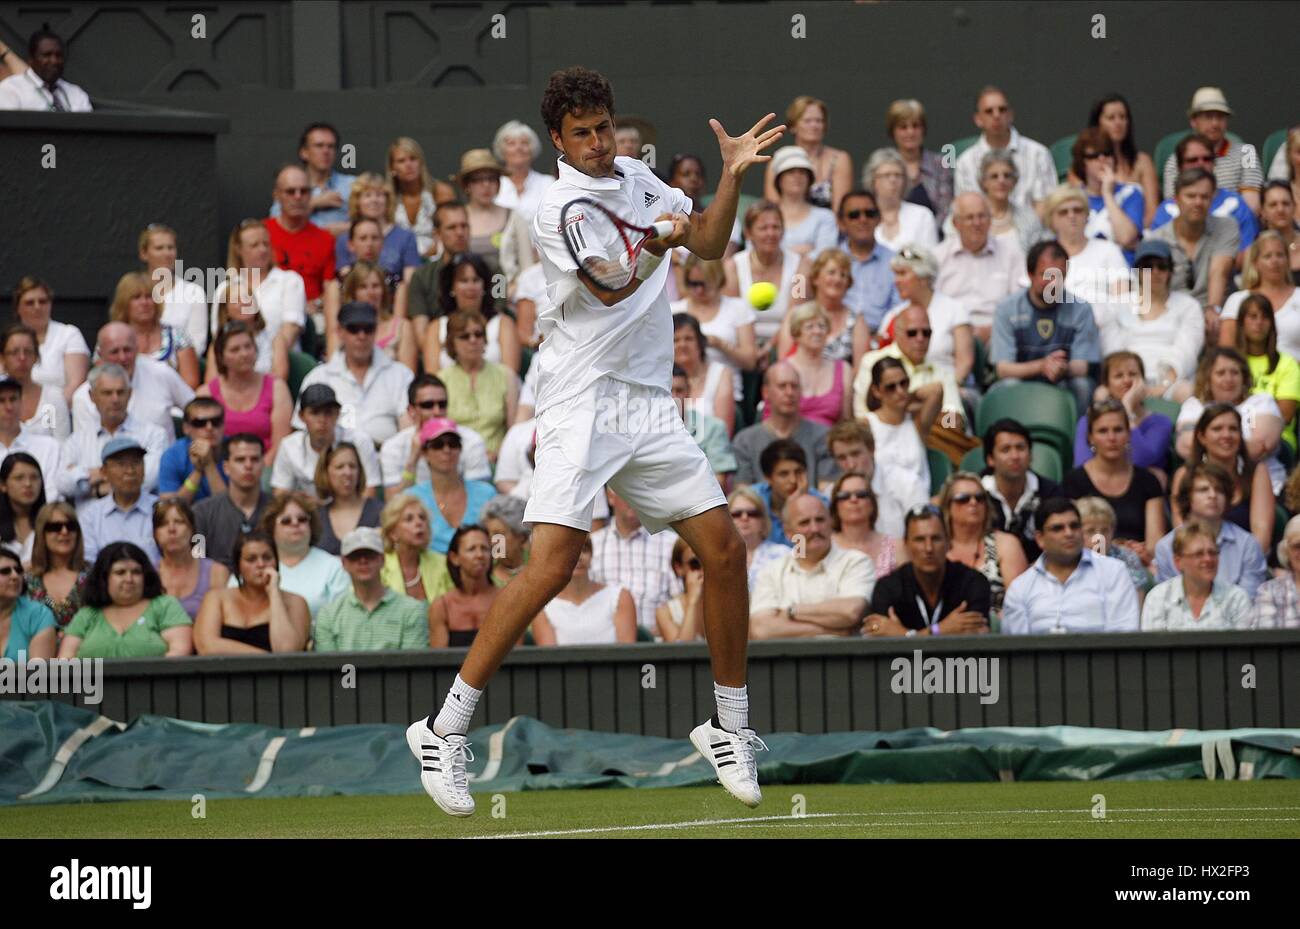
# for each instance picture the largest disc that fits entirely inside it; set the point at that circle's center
(995, 118)
(1070, 588)
(109, 393)
(415, 192)
(156, 388)
(901, 223)
(517, 146)
(626, 555)
(976, 269)
(401, 458)
(15, 438)
(41, 86)
(44, 409)
(259, 288)
(818, 588)
(1018, 225)
(185, 304)
(299, 452)
(369, 384)
(1196, 599)
(65, 358)
(1095, 269)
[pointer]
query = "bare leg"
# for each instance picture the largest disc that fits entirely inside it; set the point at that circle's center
(713, 537)
(555, 551)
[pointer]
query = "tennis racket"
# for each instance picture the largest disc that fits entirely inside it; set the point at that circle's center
(603, 245)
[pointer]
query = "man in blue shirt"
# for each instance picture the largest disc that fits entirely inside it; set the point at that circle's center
(1196, 151)
(191, 468)
(126, 514)
(872, 292)
(1044, 334)
(330, 189)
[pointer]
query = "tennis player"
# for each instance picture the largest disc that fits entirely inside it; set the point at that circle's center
(602, 355)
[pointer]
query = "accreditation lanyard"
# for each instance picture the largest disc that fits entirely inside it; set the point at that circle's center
(930, 618)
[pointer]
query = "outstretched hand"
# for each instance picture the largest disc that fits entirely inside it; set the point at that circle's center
(739, 152)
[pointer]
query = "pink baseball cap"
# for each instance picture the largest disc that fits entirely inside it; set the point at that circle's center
(435, 427)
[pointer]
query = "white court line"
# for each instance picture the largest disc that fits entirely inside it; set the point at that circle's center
(1036, 822)
(650, 826)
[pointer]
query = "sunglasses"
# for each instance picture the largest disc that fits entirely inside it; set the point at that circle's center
(913, 333)
(432, 405)
(897, 385)
(744, 514)
(1090, 156)
(861, 214)
(693, 564)
(442, 442)
(473, 334)
(360, 329)
(213, 421)
(293, 520)
(694, 284)
(1071, 211)
(852, 495)
(967, 498)
(925, 509)
(56, 528)
(1199, 160)
(10, 571)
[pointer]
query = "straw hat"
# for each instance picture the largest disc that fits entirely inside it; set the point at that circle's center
(477, 159)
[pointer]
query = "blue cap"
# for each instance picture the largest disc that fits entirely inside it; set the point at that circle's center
(1153, 248)
(120, 444)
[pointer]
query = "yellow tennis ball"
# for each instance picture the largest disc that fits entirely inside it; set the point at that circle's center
(762, 295)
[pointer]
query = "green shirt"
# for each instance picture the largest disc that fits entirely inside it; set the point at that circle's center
(482, 406)
(433, 571)
(397, 622)
(1282, 383)
(142, 639)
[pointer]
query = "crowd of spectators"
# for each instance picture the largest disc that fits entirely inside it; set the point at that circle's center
(333, 450)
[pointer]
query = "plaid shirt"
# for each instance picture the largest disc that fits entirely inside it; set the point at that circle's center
(640, 563)
(1277, 605)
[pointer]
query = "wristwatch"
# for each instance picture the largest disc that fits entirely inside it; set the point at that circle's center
(789, 612)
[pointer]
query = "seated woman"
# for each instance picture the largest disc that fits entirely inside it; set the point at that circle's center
(416, 193)
(341, 483)
(27, 628)
(498, 234)
(1016, 225)
(58, 574)
(1278, 214)
(64, 358)
(854, 510)
(455, 617)
(749, 515)
(293, 521)
(830, 169)
(1218, 437)
(1123, 378)
(22, 494)
(727, 322)
(1114, 117)
(1097, 268)
(255, 403)
(237, 304)
(809, 229)
(411, 567)
(183, 576)
(482, 394)
(185, 306)
(972, 540)
(1272, 371)
(929, 177)
(765, 261)
(1133, 492)
(450, 500)
(257, 616)
(1277, 603)
(900, 434)
(1267, 273)
(1098, 519)
(277, 295)
(133, 304)
(395, 335)
(503, 518)
(44, 410)
(465, 286)
(1116, 209)
(829, 280)
(1224, 377)
(711, 385)
(366, 240)
(901, 223)
(1196, 600)
(586, 613)
(681, 619)
(825, 396)
(399, 252)
(127, 615)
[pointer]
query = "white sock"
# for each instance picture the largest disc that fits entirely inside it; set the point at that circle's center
(733, 706)
(457, 709)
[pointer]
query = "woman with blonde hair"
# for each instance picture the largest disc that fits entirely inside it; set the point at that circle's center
(415, 193)
(410, 566)
(255, 286)
(58, 572)
(371, 199)
(854, 511)
(1095, 267)
(825, 397)
(829, 280)
(727, 322)
(832, 168)
(929, 180)
(765, 261)
(1267, 272)
(133, 304)
(517, 146)
(185, 306)
(64, 356)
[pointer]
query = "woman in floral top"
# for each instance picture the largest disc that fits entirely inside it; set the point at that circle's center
(1277, 605)
(59, 570)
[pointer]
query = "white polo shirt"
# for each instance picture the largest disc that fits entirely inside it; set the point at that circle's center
(373, 406)
(844, 572)
(84, 447)
(396, 452)
(47, 453)
(155, 389)
(26, 92)
(295, 462)
(281, 297)
(583, 340)
(60, 340)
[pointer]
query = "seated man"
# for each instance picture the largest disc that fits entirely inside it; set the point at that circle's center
(1196, 598)
(785, 473)
(625, 554)
(1206, 272)
(221, 518)
(1204, 495)
(126, 513)
(955, 598)
(854, 449)
(401, 462)
(40, 85)
(295, 462)
(1196, 151)
(191, 468)
(1070, 588)
(976, 269)
(781, 394)
(707, 430)
(14, 438)
(370, 617)
(1208, 116)
(330, 189)
(1044, 334)
(156, 388)
(819, 590)
(996, 120)
(370, 386)
(872, 293)
(1016, 490)
(912, 334)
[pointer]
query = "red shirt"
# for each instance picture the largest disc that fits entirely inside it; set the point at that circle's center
(309, 251)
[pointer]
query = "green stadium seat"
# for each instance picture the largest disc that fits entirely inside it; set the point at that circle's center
(643, 634)
(1061, 155)
(940, 468)
(1275, 141)
(299, 364)
(960, 145)
(1045, 460)
(1161, 405)
(1047, 412)
(973, 460)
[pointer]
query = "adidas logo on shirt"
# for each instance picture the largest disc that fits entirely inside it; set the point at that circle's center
(651, 199)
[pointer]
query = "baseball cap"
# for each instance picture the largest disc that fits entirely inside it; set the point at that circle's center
(120, 444)
(358, 313)
(1209, 100)
(1153, 248)
(362, 539)
(789, 157)
(435, 427)
(317, 396)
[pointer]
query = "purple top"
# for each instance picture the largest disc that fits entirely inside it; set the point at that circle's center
(1150, 441)
(195, 599)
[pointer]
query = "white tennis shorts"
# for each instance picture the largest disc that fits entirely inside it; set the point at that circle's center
(630, 437)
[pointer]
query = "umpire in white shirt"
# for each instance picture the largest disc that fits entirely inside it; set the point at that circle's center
(156, 388)
(41, 86)
(1069, 588)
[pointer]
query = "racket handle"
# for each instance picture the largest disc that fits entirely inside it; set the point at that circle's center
(663, 228)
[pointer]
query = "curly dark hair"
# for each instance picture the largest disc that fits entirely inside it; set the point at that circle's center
(575, 90)
(97, 583)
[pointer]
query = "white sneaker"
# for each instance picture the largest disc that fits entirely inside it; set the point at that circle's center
(442, 767)
(732, 757)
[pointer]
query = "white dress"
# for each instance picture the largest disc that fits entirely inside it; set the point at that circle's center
(60, 340)
(767, 323)
(590, 622)
(732, 314)
(915, 227)
(901, 462)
